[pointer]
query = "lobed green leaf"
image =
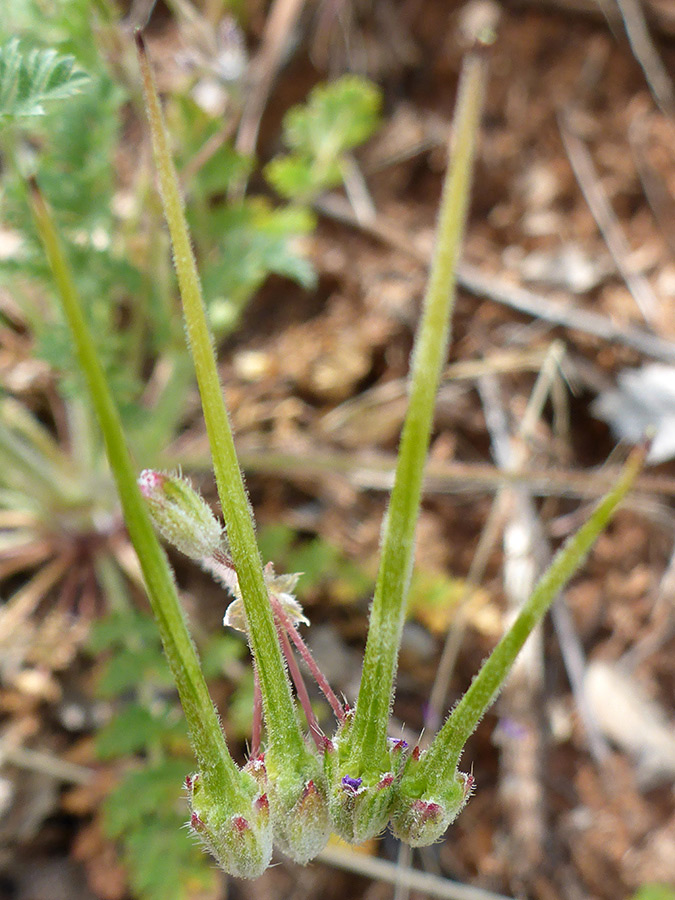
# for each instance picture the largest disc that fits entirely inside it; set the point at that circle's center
(340, 116)
(136, 728)
(30, 80)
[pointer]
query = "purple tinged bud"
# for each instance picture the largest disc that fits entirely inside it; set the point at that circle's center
(469, 784)
(180, 514)
(360, 807)
(239, 823)
(423, 808)
(190, 781)
(196, 824)
(237, 833)
(298, 805)
(427, 811)
(360, 801)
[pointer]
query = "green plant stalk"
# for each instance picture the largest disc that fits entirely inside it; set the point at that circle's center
(284, 730)
(442, 758)
(368, 738)
(219, 771)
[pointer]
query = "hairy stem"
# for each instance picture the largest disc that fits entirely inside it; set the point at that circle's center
(283, 729)
(443, 756)
(219, 770)
(369, 733)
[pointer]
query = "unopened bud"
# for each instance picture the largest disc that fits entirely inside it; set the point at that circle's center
(239, 839)
(180, 514)
(360, 802)
(360, 813)
(299, 807)
(422, 811)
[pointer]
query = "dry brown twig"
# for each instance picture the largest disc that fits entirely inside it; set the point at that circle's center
(494, 525)
(500, 291)
(375, 472)
(281, 21)
(653, 184)
(642, 45)
(520, 739)
(601, 209)
(381, 870)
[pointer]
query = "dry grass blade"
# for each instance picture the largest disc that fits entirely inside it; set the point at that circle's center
(27, 598)
(280, 23)
(641, 43)
(589, 182)
(513, 296)
(424, 882)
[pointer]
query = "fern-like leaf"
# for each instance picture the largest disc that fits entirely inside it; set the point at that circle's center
(339, 115)
(336, 118)
(29, 80)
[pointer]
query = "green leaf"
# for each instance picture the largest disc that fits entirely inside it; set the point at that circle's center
(320, 562)
(28, 81)
(165, 865)
(240, 708)
(67, 26)
(136, 728)
(295, 176)
(146, 812)
(219, 654)
(154, 791)
(222, 169)
(336, 118)
(120, 629)
(655, 892)
(75, 168)
(275, 541)
(256, 240)
(196, 129)
(129, 668)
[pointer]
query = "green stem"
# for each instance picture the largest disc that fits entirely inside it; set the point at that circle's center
(218, 769)
(369, 734)
(443, 755)
(283, 727)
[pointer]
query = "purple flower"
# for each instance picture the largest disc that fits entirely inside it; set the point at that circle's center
(351, 784)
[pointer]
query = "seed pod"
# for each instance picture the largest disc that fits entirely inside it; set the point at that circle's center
(422, 811)
(240, 840)
(299, 806)
(360, 802)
